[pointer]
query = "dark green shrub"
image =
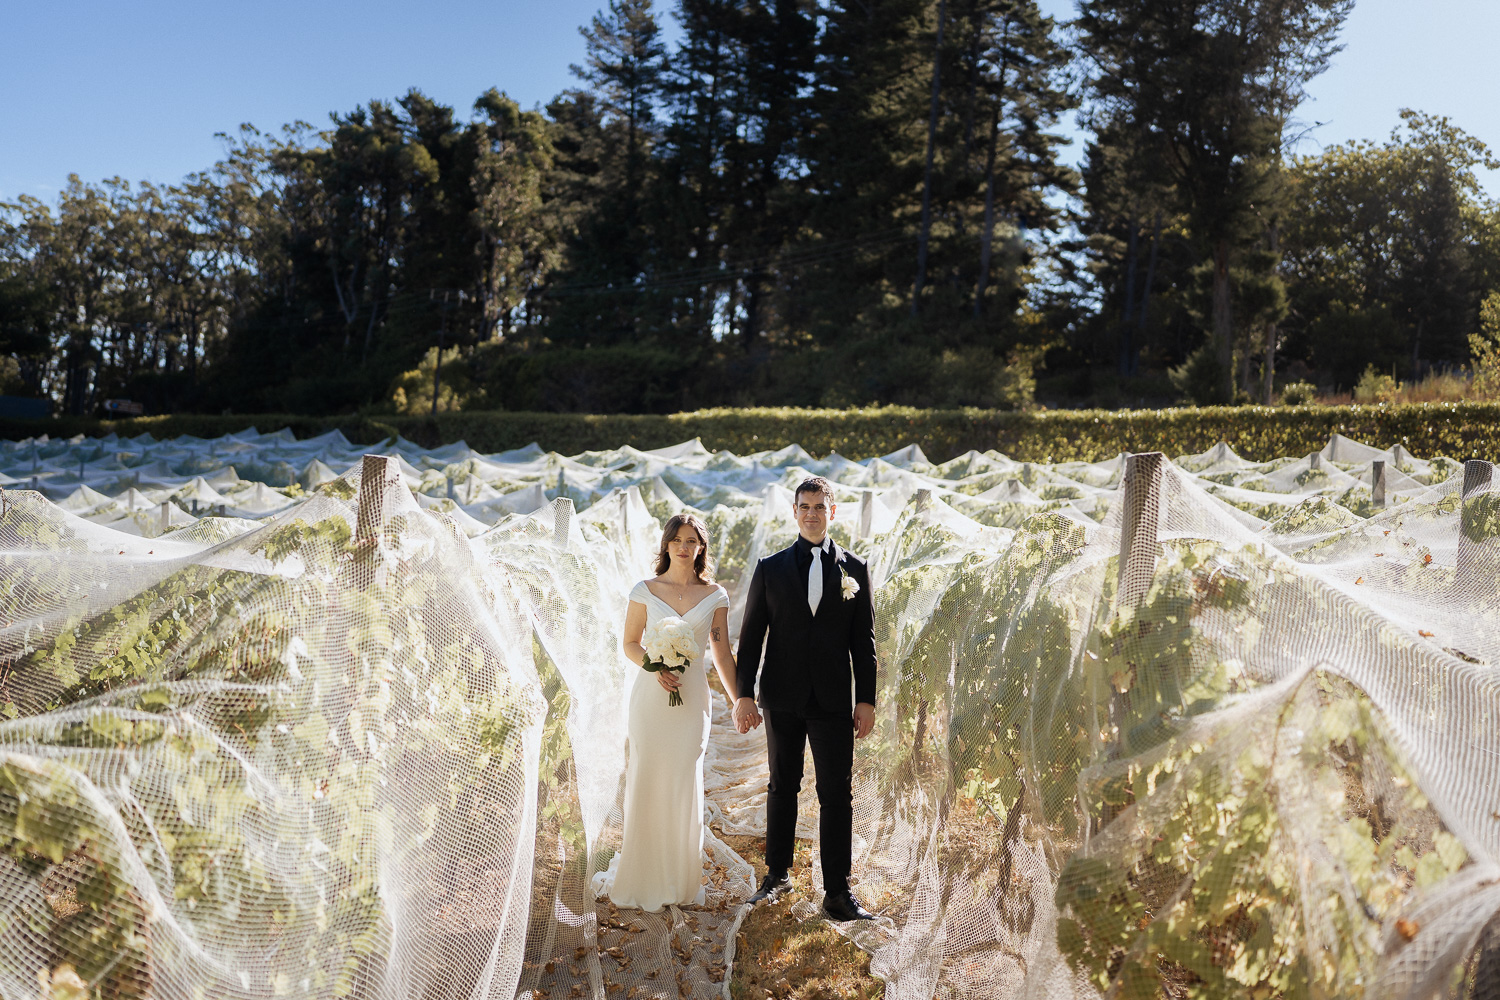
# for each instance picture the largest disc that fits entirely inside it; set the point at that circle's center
(1458, 430)
(1298, 394)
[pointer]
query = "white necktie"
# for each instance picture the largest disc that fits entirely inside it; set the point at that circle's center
(815, 579)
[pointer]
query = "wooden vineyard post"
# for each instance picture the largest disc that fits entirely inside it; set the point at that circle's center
(1315, 461)
(562, 516)
(1140, 509)
(166, 517)
(377, 474)
(1140, 502)
(1377, 483)
(1478, 476)
(1139, 549)
(866, 513)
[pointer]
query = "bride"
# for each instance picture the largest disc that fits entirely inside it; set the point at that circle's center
(660, 859)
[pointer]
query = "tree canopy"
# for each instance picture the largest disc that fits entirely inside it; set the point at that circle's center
(788, 203)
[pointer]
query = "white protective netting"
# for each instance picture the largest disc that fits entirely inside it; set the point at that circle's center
(1209, 727)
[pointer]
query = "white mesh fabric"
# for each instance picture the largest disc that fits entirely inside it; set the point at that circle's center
(1215, 727)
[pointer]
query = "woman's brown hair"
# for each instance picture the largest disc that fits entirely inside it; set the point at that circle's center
(700, 564)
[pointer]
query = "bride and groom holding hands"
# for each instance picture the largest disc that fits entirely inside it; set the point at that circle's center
(808, 607)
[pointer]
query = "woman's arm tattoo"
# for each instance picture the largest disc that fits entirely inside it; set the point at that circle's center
(717, 634)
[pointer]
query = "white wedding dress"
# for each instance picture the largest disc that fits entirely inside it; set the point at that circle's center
(661, 852)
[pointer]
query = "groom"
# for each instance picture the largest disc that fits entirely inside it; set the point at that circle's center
(810, 606)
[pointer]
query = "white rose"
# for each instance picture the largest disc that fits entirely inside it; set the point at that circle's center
(849, 587)
(670, 640)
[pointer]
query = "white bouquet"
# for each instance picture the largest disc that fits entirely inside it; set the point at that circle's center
(670, 644)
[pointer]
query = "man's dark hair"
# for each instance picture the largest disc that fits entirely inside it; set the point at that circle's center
(813, 484)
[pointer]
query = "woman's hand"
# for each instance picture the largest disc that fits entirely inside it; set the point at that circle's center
(669, 680)
(746, 715)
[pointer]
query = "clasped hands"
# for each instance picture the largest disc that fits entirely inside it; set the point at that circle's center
(747, 717)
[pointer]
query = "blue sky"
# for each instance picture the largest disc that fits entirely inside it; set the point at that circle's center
(138, 89)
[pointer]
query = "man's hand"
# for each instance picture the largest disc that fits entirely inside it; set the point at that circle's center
(864, 720)
(746, 715)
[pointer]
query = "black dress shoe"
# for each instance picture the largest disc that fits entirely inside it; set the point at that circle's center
(773, 885)
(843, 906)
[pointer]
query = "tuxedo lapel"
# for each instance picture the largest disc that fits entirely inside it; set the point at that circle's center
(796, 588)
(832, 580)
(796, 583)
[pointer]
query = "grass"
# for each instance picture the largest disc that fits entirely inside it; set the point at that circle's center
(1435, 387)
(777, 956)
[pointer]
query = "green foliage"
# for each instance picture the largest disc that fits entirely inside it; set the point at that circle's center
(1223, 833)
(1192, 102)
(1193, 871)
(731, 217)
(625, 378)
(1484, 348)
(1456, 430)
(1374, 387)
(1201, 378)
(1480, 519)
(728, 202)
(209, 668)
(1298, 393)
(1339, 338)
(411, 393)
(1390, 250)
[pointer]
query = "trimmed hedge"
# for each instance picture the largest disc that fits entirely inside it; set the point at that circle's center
(1458, 430)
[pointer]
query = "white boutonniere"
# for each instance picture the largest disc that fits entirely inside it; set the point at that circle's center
(848, 586)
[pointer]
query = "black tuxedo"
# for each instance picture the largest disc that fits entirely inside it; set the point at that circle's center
(805, 692)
